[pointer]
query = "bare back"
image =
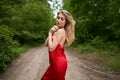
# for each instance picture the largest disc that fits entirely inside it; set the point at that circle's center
(62, 36)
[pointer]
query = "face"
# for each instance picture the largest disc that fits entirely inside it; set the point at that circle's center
(60, 20)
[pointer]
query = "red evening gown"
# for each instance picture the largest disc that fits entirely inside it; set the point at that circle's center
(58, 65)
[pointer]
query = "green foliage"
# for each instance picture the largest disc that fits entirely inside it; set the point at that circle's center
(98, 42)
(20, 49)
(35, 20)
(85, 48)
(29, 20)
(6, 43)
(25, 22)
(95, 18)
(97, 28)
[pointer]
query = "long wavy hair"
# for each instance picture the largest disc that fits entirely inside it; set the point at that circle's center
(69, 27)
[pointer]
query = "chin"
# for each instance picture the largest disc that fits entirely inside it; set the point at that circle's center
(59, 26)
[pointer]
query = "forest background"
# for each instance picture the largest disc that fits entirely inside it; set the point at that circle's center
(25, 23)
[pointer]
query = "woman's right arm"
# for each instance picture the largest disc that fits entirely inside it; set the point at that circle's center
(53, 29)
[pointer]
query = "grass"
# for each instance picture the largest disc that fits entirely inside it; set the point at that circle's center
(109, 59)
(19, 50)
(107, 56)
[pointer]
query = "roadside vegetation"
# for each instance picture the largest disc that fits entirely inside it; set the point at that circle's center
(97, 29)
(23, 24)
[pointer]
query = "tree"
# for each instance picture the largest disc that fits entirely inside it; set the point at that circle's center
(95, 18)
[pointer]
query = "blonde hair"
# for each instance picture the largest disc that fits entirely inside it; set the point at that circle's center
(69, 27)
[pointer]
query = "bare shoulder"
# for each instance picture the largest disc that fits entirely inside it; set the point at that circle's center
(61, 31)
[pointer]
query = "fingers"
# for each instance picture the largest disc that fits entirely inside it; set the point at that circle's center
(54, 28)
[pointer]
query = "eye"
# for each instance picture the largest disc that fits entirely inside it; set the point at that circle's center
(58, 17)
(62, 19)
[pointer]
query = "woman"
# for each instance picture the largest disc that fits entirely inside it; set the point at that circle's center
(59, 35)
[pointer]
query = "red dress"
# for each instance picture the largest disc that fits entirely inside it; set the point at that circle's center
(58, 65)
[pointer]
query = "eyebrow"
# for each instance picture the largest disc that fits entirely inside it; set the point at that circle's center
(60, 17)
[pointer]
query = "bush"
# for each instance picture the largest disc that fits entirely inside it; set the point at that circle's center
(97, 42)
(6, 43)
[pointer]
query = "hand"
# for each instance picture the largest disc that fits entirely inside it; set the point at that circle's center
(53, 29)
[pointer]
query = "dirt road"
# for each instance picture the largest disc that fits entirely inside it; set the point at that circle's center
(32, 64)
